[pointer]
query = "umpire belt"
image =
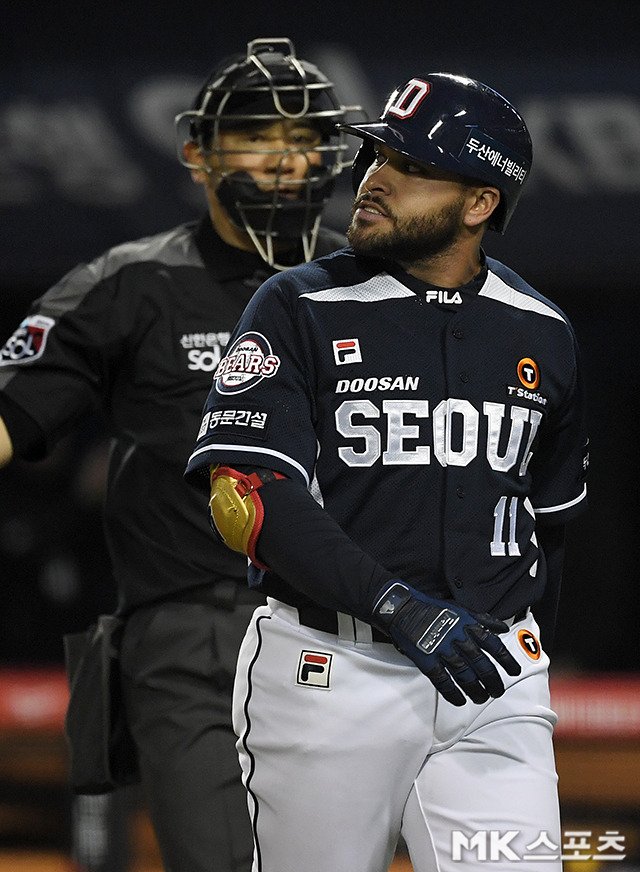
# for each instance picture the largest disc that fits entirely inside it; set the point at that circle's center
(225, 594)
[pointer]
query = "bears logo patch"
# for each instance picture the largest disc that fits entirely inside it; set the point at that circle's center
(246, 363)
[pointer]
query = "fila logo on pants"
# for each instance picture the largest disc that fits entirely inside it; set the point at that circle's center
(314, 669)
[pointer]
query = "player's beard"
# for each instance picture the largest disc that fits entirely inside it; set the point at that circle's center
(409, 240)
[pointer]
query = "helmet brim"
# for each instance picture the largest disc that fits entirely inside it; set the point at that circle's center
(398, 140)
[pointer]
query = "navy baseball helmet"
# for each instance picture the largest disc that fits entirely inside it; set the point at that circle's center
(457, 124)
(268, 84)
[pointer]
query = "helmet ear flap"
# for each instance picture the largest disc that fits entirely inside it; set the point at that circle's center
(365, 156)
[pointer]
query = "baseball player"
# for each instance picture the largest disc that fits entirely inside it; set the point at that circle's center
(139, 332)
(418, 428)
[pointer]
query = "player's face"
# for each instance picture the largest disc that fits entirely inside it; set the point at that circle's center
(277, 156)
(406, 211)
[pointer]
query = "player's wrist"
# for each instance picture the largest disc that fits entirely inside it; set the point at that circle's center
(390, 600)
(407, 614)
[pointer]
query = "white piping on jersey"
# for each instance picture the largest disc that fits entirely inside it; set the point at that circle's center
(248, 449)
(497, 289)
(314, 487)
(379, 287)
(549, 509)
(385, 287)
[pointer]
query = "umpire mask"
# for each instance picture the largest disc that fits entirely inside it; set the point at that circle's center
(268, 85)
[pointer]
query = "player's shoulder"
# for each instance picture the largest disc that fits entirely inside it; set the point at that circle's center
(506, 287)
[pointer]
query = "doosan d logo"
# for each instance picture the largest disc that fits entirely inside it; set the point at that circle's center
(246, 363)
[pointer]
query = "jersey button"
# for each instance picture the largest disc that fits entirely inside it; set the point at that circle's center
(458, 333)
(464, 377)
(457, 581)
(460, 491)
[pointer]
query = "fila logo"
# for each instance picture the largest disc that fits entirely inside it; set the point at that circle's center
(314, 669)
(346, 351)
(443, 297)
(405, 104)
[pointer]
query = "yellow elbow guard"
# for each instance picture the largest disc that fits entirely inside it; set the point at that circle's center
(235, 508)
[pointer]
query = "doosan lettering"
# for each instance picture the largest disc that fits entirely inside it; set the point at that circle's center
(386, 383)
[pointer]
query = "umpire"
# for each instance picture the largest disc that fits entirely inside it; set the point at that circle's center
(137, 333)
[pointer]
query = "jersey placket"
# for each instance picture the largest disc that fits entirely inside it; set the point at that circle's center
(455, 439)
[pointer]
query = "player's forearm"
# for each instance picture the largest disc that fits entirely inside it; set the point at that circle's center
(307, 548)
(6, 446)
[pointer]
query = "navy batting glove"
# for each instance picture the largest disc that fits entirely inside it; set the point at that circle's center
(446, 643)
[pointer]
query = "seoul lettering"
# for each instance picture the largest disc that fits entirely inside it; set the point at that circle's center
(406, 425)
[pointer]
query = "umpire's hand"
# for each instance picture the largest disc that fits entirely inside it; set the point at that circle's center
(446, 643)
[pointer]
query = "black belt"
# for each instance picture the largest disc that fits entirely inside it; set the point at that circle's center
(520, 616)
(225, 594)
(327, 622)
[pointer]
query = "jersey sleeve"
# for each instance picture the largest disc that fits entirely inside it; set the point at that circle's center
(55, 365)
(27, 439)
(560, 465)
(260, 407)
(303, 544)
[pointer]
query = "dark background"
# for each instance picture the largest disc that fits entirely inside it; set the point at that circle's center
(87, 159)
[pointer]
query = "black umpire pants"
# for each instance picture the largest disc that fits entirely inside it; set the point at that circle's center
(178, 662)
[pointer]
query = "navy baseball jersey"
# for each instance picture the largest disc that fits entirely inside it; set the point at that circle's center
(362, 382)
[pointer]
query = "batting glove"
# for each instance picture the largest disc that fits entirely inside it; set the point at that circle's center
(446, 643)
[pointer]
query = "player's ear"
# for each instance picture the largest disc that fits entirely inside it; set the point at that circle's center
(483, 203)
(193, 156)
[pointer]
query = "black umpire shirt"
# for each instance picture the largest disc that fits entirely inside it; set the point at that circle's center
(138, 333)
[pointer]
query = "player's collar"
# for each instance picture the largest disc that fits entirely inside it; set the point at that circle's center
(420, 288)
